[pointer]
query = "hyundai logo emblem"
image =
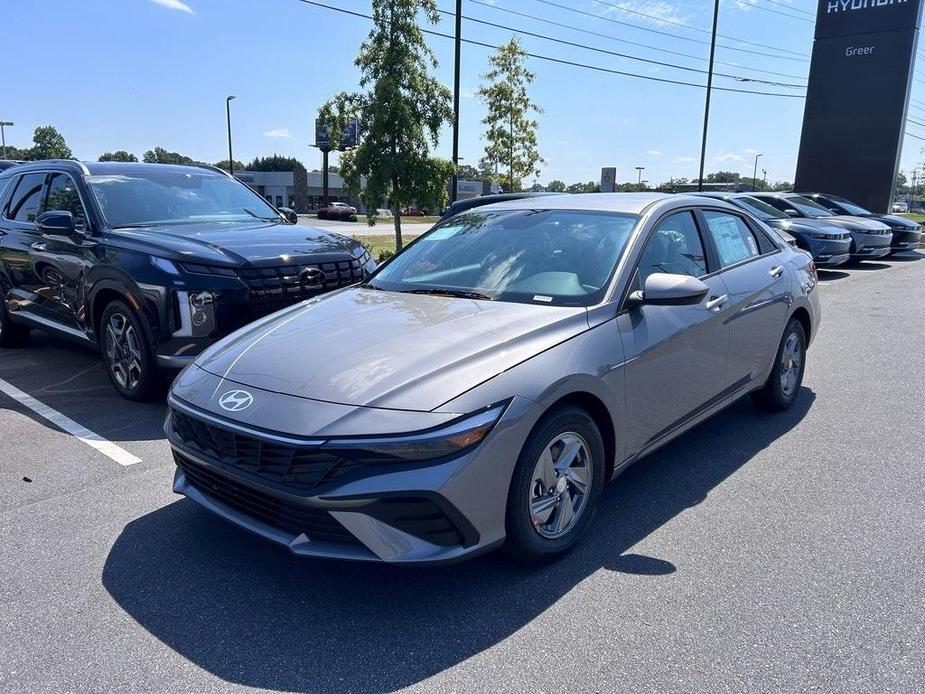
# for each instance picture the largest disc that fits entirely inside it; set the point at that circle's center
(236, 400)
(312, 277)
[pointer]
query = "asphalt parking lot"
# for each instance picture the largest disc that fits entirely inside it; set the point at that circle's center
(758, 552)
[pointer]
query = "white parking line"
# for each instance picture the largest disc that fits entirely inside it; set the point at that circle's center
(107, 448)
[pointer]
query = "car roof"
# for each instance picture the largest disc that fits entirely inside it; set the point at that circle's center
(115, 168)
(630, 203)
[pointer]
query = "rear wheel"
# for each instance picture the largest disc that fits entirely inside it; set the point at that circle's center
(11, 334)
(783, 384)
(127, 353)
(556, 486)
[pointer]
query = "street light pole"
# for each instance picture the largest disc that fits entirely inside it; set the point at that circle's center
(755, 174)
(4, 124)
(455, 181)
(228, 101)
(706, 108)
(639, 170)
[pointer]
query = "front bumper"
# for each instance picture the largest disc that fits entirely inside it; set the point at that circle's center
(404, 514)
(865, 246)
(905, 241)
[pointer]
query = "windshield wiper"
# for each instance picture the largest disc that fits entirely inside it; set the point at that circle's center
(462, 294)
(257, 216)
(136, 225)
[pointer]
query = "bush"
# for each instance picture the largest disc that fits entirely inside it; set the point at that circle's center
(385, 255)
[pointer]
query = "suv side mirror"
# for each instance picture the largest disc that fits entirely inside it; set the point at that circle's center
(290, 214)
(664, 289)
(791, 213)
(57, 223)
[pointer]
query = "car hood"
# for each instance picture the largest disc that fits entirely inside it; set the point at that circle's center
(260, 243)
(372, 348)
(805, 226)
(856, 223)
(894, 222)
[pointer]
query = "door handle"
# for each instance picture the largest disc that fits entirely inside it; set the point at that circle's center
(39, 246)
(776, 271)
(716, 302)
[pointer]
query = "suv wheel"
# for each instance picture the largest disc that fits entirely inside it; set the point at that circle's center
(556, 486)
(782, 386)
(11, 335)
(127, 353)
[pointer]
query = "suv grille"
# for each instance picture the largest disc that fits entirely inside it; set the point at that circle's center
(297, 467)
(316, 524)
(275, 288)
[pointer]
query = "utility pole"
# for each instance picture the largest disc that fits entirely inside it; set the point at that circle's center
(706, 109)
(228, 101)
(455, 181)
(4, 124)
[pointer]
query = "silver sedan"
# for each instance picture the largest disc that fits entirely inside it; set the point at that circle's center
(482, 386)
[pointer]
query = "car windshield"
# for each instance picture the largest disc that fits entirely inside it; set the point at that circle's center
(848, 206)
(761, 210)
(174, 197)
(555, 257)
(808, 207)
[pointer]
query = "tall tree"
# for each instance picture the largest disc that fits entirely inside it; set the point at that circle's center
(118, 155)
(399, 112)
(556, 186)
(275, 162)
(511, 131)
(48, 143)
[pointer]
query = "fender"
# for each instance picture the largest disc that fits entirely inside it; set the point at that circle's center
(109, 278)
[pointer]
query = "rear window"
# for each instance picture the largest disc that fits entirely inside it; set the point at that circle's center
(27, 198)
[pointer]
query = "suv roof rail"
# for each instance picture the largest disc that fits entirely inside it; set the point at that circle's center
(79, 165)
(216, 169)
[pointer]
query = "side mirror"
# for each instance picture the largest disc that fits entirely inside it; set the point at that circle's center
(791, 213)
(664, 289)
(290, 214)
(57, 223)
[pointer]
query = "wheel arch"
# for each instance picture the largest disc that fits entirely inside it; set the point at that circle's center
(598, 411)
(802, 315)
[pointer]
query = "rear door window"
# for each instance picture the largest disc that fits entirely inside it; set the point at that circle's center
(27, 198)
(733, 239)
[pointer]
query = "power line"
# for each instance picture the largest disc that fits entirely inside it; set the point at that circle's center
(618, 39)
(624, 55)
(684, 25)
(562, 61)
(915, 122)
(791, 7)
(917, 137)
(771, 9)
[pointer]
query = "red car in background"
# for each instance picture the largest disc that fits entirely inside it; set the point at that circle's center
(337, 210)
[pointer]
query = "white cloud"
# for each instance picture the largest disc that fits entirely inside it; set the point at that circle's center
(729, 157)
(655, 12)
(174, 5)
(467, 92)
(752, 152)
(654, 153)
(278, 132)
(685, 160)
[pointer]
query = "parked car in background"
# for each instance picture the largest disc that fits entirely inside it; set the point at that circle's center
(152, 263)
(869, 238)
(481, 200)
(900, 207)
(830, 245)
(906, 233)
(482, 386)
(413, 212)
(337, 211)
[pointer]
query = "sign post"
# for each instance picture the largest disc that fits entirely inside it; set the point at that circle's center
(323, 142)
(857, 99)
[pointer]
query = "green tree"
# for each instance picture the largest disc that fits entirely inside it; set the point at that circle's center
(400, 113)
(511, 132)
(556, 186)
(275, 162)
(48, 143)
(467, 172)
(17, 154)
(118, 155)
(159, 155)
(782, 186)
(223, 164)
(589, 187)
(723, 177)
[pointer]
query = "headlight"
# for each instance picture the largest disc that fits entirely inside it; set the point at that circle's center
(164, 265)
(456, 437)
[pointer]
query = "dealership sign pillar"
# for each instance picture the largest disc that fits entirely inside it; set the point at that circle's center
(857, 98)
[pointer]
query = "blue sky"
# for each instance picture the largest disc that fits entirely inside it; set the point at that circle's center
(132, 74)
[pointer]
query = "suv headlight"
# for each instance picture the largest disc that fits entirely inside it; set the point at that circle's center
(460, 435)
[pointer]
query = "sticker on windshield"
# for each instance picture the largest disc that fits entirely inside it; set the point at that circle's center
(442, 233)
(540, 297)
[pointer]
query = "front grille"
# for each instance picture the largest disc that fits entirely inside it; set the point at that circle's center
(275, 288)
(292, 518)
(300, 468)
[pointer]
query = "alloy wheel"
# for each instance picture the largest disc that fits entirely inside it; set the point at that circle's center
(561, 484)
(123, 351)
(791, 364)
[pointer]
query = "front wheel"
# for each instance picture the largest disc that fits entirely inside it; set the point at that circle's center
(127, 353)
(783, 384)
(556, 486)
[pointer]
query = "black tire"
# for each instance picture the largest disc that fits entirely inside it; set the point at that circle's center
(524, 539)
(11, 334)
(132, 366)
(775, 395)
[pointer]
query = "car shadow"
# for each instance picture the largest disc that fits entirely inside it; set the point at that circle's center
(70, 378)
(906, 257)
(827, 275)
(867, 265)
(253, 614)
